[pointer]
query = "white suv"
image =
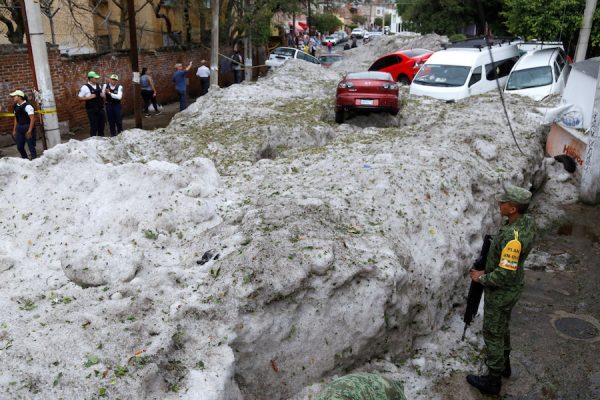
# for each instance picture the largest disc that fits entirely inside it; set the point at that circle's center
(357, 33)
(281, 54)
(539, 74)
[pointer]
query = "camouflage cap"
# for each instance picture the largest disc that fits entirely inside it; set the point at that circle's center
(515, 194)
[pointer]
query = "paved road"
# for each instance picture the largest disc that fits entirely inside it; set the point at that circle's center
(555, 348)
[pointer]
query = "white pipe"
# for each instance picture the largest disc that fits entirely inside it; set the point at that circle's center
(42, 71)
(586, 29)
(214, 51)
(590, 176)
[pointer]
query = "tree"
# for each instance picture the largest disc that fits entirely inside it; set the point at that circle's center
(80, 11)
(451, 16)
(11, 17)
(378, 21)
(359, 19)
(387, 19)
(550, 20)
(47, 8)
(326, 22)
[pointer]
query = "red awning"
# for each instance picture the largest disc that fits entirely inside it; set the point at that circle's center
(299, 27)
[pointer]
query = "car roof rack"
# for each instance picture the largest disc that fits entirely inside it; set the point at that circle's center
(479, 43)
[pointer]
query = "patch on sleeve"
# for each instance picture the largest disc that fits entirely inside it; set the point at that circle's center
(511, 253)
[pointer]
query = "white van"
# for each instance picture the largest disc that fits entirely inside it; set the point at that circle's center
(281, 54)
(465, 69)
(539, 74)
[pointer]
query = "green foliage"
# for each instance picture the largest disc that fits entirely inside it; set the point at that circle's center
(91, 360)
(457, 37)
(121, 371)
(550, 20)
(26, 305)
(149, 234)
(359, 19)
(387, 19)
(450, 16)
(378, 21)
(325, 22)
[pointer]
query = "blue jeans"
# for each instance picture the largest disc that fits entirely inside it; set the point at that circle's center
(115, 118)
(182, 99)
(96, 118)
(237, 76)
(21, 139)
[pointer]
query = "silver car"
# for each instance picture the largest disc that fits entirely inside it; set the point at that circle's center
(280, 55)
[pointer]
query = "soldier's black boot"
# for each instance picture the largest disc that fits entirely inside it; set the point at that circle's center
(507, 371)
(487, 384)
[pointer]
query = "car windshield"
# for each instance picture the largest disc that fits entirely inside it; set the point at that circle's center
(380, 76)
(330, 38)
(530, 78)
(442, 75)
(330, 58)
(283, 51)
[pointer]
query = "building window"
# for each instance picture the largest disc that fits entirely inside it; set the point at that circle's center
(169, 40)
(104, 44)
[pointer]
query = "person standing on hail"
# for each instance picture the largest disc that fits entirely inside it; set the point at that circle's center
(93, 96)
(204, 74)
(180, 79)
(113, 92)
(24, 127)
(503, 283)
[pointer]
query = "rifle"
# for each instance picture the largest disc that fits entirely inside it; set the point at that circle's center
(476, 289)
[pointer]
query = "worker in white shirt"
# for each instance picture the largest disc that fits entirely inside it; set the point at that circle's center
(113, 92)
(93, 96)
(204, 74)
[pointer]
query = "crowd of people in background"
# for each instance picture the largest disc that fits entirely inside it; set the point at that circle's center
(103, 101)
(313, 44)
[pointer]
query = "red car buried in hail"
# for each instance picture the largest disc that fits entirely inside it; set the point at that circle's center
(366, 91)
(403, 65)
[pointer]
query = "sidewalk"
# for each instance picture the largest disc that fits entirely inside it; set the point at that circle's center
(83, 132)
(555, 346)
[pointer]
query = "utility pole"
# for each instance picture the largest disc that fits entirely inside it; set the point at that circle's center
(36, 41)
(586, 29)
(135, 66)
(248, 58)
(590, 177)
(308, 17)
(214, 48)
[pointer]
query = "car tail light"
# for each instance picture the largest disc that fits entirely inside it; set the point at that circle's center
(345, 85)
(390, 86)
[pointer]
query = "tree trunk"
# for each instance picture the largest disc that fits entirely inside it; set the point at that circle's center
(186, 22)
(15, 30)
(123, 26)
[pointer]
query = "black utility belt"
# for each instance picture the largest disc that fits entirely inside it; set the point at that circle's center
(113, 104)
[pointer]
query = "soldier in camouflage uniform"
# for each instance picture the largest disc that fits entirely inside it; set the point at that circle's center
(503, 283)
(362, 386)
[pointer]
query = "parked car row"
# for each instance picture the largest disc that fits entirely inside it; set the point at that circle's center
(467, 68)
(471, 68)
